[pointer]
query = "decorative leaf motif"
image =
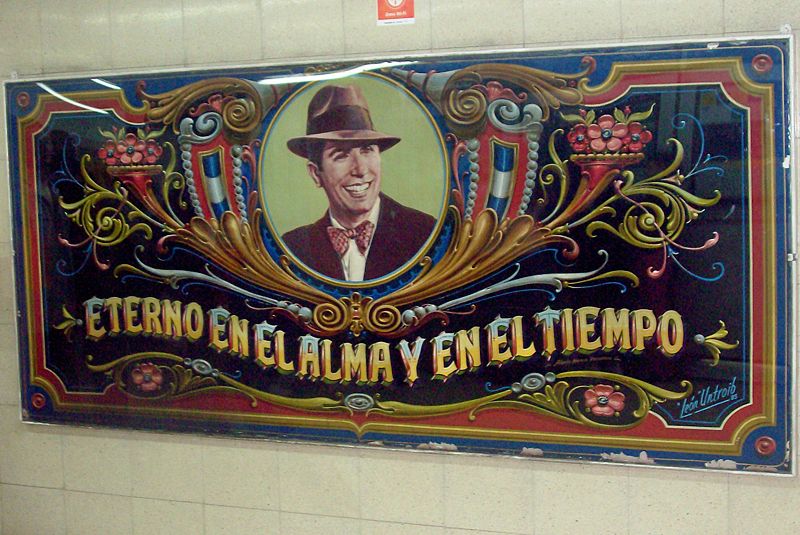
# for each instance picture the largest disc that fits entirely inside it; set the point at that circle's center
(715, 343)
(641, 115)
(572, 117)
(69, 323)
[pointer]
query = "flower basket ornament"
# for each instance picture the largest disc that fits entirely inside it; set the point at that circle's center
(132, 157)
(605, 146)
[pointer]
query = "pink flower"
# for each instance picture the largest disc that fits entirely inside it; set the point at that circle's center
(147, 377)
(607, 134)
(108, 152)
(578, 139)
(152, 151)
(130, 150)
(602, 400)
(638, 136)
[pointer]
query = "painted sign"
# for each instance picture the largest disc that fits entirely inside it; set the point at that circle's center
(555, 254)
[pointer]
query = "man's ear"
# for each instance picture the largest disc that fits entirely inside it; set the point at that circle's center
(313, 170)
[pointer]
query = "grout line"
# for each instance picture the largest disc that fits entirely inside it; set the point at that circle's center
(183, 34)
(260, 9)
(41, 35)
(724, 25)
(344, 37)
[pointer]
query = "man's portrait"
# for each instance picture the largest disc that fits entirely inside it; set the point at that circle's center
(363, 232)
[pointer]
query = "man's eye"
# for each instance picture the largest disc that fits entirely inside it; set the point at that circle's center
(339, 156)
(368, 149)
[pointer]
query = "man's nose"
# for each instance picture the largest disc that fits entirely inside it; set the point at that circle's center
(359, 163)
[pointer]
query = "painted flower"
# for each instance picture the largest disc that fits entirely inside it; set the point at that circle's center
(638, 136)
(603, 400)
(152, 151)
(130, 150)
(147, 377)
(578, 138)
(607, 134)
(108, 152)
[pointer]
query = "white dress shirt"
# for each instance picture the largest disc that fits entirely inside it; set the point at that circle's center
(353, 262)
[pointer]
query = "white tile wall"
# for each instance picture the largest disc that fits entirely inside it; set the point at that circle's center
(658, 18)
(147, 35)
(97, 462)
(56, 480)
(167, 469)
(216, 32)
(76, 38)
(302, 28)
(98, 513)
(21, 45)
(22, 517)
(562, 21)
(167, 517)
(235, 521)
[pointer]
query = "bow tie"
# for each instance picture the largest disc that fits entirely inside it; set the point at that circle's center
(340, 237)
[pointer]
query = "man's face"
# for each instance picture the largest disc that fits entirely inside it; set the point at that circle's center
(351, 177)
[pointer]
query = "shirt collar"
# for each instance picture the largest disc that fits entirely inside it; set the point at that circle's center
(372, 217)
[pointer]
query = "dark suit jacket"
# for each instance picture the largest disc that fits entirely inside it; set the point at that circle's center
(399, 235)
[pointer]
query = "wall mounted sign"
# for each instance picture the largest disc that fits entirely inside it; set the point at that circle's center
(395, 12)
(578, 254)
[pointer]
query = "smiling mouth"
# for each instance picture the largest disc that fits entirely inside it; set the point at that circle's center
(356, 189)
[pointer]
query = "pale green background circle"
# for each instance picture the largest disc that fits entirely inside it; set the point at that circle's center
(414, 172)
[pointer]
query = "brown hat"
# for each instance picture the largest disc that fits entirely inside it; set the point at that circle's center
(339, 113)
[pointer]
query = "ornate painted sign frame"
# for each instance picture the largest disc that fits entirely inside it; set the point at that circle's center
(571, 255)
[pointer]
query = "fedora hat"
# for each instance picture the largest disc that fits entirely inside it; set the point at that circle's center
(339, 113)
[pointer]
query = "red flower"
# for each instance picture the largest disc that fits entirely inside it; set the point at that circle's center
(638, 136)
(108, 152)
(578, 138)
(130, 150)
(147, 377)
(607, 134)
(602, 400)
(152, 151)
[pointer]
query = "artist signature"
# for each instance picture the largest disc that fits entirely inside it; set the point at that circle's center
(709, 397)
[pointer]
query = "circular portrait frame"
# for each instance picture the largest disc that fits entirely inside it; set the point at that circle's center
(415, 172)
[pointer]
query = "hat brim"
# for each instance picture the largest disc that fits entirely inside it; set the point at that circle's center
(299, 145)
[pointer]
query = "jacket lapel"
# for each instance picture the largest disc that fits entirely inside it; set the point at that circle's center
(382, 250)
(326, 261)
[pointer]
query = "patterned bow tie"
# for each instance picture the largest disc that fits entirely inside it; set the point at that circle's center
(340, 237)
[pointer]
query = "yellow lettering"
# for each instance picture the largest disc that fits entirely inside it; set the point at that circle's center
(380, 363)
(193, 322)
(670, 333)
(587, 342)
(262, 334)
(520, 351)
(130, 314)
(410, 356)
(567, 332)
(616, 333)
(216, 328)
(468, 349)
(354, 362)
(114, 306)
(171, 318)
(644, 327)
(94, 324)
(499, 351)
(151, 316)
(328, 373)
(237, 336)
(308, 361)
(443, 366)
